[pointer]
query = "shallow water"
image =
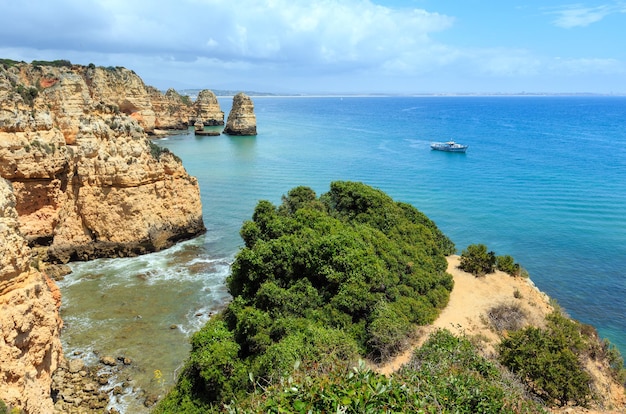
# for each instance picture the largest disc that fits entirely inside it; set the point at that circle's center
(544, 180)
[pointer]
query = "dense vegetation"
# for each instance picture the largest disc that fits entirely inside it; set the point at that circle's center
(55, 63)
(446, 375)
(551, 360)
(323, 281)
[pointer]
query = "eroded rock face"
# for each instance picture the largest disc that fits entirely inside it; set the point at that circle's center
(207, 109)
(30, 348)
(241, 119)
(172, 109)
(87, 181)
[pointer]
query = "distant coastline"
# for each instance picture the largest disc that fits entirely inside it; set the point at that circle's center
(221, 93)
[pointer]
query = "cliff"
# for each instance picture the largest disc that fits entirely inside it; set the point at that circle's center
(30, 348)
(241, 119)
(87, 180)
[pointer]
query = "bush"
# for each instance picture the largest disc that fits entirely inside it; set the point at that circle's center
(214, 362)
(507, 264)
(321, 281)
(447, 376)
(477, 260)
(453, 377)
(388, 332)
(55, 63)
(547, 360)
(28, 94)
(506, 317)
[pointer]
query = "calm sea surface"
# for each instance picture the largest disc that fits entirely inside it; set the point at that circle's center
(544, 180)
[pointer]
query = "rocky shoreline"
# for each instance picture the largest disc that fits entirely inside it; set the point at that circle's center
(80, 388)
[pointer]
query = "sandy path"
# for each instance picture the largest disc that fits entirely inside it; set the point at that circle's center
(470, 301)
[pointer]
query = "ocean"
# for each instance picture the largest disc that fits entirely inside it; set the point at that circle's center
(543, 180)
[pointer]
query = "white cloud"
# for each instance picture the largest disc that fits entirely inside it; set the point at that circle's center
(283, 45)
(577, 15)
(306, 34)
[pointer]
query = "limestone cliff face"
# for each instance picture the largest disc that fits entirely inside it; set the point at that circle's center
(30, 348)
(241, 119)
(207, 109)
(87, 181)
(172, 109)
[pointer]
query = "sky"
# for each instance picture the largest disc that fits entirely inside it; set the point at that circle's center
(333, 46)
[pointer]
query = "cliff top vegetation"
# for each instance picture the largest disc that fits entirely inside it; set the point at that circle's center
(326, 282)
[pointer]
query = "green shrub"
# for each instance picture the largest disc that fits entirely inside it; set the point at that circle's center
(477, 260)
(547, 360)
(54, 63)
(28, 94)
(388, 332)
(453, 377)
(214, 363)
(156, 150)
(322, 281)
(507, 264)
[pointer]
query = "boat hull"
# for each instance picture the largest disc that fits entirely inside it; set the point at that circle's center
(448, 147)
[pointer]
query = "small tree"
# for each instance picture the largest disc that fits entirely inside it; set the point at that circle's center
(477, 260)
(507, 264)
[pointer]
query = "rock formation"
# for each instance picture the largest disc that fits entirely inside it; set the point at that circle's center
(207, 110)
(30, 348)
(241, 119)
(172, 109)
(87, 181)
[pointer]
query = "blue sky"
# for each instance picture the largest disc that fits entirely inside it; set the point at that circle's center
(333, 46)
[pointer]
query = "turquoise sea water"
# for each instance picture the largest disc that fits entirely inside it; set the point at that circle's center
(544, 180)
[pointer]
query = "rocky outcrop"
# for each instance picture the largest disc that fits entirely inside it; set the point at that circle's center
(207, 110)
(241, 119)
(172, 109)
(30, 348)
(87, 180)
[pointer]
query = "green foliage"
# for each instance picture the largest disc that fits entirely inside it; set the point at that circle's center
(446, 375)
(615, 360)
(548, 360)
(54, 63)
(28, 94)
(389, 331)
(7, 63)
(6, 409)
(320, 282)
(450, 372)
(507, 264)
(477, 260)
(214, 362)
(156, 151)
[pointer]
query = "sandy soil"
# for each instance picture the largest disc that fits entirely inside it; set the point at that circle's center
(470, 301)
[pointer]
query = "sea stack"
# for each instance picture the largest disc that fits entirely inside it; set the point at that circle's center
(207, 109)
(241, 119)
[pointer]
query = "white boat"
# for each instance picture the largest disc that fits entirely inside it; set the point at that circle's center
(449, 146)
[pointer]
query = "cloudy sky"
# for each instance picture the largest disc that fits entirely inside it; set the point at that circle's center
(333, 46)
